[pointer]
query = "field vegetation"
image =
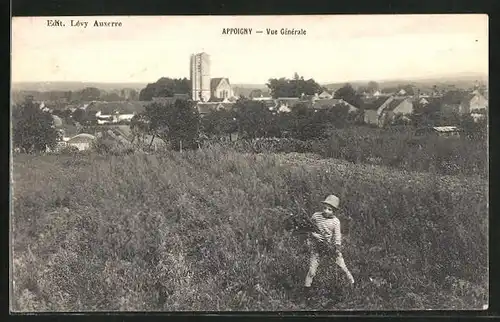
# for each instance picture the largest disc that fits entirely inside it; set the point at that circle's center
(208, 230)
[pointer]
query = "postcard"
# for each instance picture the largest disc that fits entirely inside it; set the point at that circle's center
(249, 163)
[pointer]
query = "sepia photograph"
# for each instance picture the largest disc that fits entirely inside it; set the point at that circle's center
(249, 163)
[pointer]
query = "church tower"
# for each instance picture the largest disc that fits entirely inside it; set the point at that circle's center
(200, 77)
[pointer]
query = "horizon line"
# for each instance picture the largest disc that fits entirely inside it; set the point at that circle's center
(461, 74)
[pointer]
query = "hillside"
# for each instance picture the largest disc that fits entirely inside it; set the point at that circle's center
(462, 80)
(73, 86)
(205, 230)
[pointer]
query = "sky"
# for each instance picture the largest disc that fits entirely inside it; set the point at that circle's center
(336, 48)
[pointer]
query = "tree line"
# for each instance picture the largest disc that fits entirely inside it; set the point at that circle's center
(62, 98)
(181, 122)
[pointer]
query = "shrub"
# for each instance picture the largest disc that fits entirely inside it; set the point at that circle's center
(33, 130)
(397, 147)
(69, 149)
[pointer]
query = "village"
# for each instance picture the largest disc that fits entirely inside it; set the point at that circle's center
(377, 106)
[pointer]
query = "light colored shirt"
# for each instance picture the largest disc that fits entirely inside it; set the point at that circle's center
(327, 229)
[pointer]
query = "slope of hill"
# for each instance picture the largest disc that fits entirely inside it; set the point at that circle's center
(461, 80)
(205, 230)
(73, 86)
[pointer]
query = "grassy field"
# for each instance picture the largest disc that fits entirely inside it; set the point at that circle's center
(204, 230)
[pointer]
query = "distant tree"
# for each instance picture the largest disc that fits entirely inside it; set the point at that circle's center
(111, 97)
(284, 87)
(362, 90)
(176, 124)
(33, 129)
(409, 89)
(372, 86)
(255, 120)
(79, 115)
(255, 93)
(134, 96)
(90, 94)
(63, 113)
(348, 94)
(426, 115)
(307, 124)
(184, 124)
(165, 87)
(68, 96)
(220, 122)
(475, 130)
(448, 118)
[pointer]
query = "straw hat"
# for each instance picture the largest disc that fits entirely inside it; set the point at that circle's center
(333, 201)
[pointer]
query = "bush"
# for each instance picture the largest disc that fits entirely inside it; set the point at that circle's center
(397, 147)
(105, 145)
(33, 130)
(69, 149)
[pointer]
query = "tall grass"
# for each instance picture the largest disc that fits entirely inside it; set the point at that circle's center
(401, 149)
(203, 230)
(395, 148)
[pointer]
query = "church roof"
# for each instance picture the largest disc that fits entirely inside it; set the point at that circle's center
(214, 82)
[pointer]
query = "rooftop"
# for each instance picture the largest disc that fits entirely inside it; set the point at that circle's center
(446, 128)
(374, 103)
(123, 107)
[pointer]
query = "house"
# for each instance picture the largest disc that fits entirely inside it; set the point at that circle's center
(325, 95)
(115, 112)
(104, 118)
(58, 122)
(81, 141)
(261, 98)
(331, 103)
(424, 101)
(397, 106)
(441, 131)
(402, 92)
(463, 102)
(373, 108)
(286, 104)
(475, 102)
(220, 88)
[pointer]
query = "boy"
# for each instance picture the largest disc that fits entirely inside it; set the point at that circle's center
(325, 239)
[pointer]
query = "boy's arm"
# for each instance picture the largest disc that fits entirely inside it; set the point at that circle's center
(314, 228)
(337, 235)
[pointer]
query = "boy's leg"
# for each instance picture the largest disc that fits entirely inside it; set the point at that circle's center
(341, 263)
(313, 266)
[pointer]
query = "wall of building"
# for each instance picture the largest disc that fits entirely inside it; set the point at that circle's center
(81, 145)
(371, 117)
(406, 107)
(478, 102)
